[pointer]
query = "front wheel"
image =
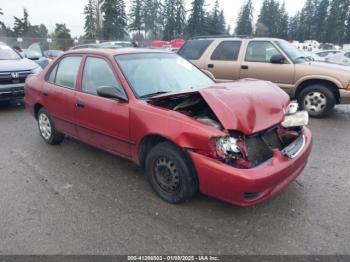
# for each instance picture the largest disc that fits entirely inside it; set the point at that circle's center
(170, 173)
(318, 100)
(47, 128)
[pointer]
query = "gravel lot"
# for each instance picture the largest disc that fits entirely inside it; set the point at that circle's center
(75, 199)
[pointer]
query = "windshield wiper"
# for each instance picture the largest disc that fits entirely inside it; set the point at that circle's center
(154, 94)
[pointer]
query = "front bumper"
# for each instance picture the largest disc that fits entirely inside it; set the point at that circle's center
(11, 92)
(344, 96)
(237, 186)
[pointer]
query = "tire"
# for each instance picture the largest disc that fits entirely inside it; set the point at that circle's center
(318, 100)
(47, 129)
(170, 173)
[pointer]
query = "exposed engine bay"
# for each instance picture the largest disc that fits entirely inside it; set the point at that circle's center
(194, 106)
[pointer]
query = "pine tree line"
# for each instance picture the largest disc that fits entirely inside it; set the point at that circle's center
(327, 21)
(152, 19)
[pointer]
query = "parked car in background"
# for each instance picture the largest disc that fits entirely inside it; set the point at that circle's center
(35, 53)
(341, 59)
(14, 70)
(328, 53)
(317, 86)
(242, 142)
(52, 54)
(314, 57)
(116, 44)
(84, 46)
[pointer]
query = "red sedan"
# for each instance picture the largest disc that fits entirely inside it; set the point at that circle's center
(241, 142)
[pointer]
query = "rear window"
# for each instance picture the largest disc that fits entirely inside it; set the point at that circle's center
(194, 49)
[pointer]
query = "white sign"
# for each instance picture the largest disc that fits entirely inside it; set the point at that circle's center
(19, 39)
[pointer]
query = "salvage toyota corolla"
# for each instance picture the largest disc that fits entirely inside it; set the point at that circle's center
(241, 142)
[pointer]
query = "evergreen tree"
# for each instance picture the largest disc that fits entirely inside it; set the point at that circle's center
(320, 20)
(21, 25)
(136, 19)
(170, 23)
(114, 19)
(216, 23)
(336, 22)
(150, 16)
(180, 18)
(294, 26)
(282, 22)
(269, 19)
(90, 20)
(61, 37)
(245, 19)
(2, 25)
(197, 19)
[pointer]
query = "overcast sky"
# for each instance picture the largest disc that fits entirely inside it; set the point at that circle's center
(70, 12)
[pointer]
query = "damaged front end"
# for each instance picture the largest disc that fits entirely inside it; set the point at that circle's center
(246, 119)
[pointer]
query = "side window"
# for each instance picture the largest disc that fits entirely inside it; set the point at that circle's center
(67, 71)
(347, 55)
(194, 49)
(97, 73)
(260, 52)
(52, 76)
(227, 51)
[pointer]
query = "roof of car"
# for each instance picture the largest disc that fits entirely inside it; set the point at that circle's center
(113, 52)
(234, 38)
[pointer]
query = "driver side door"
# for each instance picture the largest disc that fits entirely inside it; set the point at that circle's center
(257, 65)
(102, 122)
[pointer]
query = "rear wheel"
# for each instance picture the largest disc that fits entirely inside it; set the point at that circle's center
(47, 129)
(170, 174)
(318, 100)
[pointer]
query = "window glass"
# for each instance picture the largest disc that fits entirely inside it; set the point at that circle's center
(154, 73)
(52, 76)
(194, 49)
(260, 52)
(67, 71)
(347, 55)
(227, 51)
(7, 53)
(97, 73)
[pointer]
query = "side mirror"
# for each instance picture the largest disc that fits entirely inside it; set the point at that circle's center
(32, 56)
(277, 59)
(111, 92)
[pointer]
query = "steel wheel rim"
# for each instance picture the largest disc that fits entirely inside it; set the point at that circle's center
(315, 102)
(166, 175)
(45, 126)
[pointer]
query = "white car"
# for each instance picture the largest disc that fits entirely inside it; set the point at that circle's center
(341, 59)
(328, 53)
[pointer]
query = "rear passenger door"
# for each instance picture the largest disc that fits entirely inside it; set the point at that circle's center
(59, 92)
(223, 62)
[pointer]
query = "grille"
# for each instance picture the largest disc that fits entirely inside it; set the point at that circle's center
(260, 146)
(7, 79)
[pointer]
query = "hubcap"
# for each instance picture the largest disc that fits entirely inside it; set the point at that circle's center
(45, 126)
(315, 102)
(166, 175)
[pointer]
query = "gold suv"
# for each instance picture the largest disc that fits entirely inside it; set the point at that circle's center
(317, 86)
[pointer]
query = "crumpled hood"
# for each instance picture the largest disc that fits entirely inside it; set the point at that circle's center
(248, 106)
(17, 65)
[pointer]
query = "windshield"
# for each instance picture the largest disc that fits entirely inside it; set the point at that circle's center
(7, 53)
(293, 53)
(151, 74)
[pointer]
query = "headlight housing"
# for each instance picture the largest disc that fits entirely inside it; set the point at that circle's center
(227, 146)
(295, 118)
(37, 70)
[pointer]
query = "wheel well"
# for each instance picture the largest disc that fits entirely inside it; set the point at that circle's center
(333, 87)
(147, 144)
(37, 107)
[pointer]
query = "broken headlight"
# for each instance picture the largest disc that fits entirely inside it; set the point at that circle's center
(228, 146)
(295, 118)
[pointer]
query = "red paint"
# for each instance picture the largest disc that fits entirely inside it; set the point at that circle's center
(247, 106)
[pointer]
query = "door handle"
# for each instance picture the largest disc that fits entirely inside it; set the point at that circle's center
(211, 66)
(245, 67)
(80, 104)
(45, 93)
